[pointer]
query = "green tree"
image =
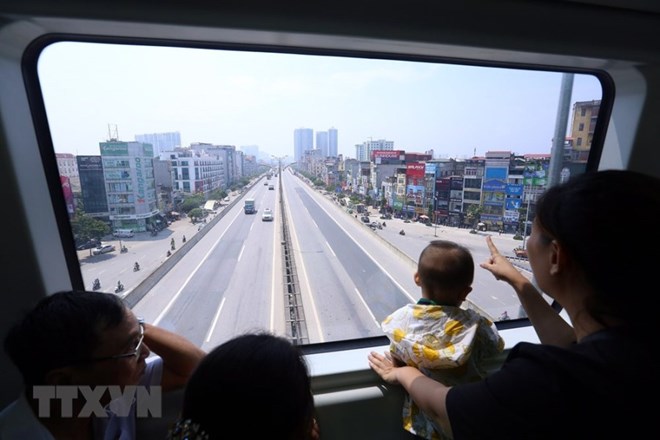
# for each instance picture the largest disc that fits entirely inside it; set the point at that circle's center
(86, 228)
(473, 214)
(196, 214)
(192, 202)
(218, 194)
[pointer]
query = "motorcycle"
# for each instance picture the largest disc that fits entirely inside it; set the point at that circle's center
(402, 232)
(169, 254)
(96, 285)
(119, 287)
(123, 249)
(136, 267)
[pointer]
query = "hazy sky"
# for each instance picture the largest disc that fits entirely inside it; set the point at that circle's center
(243, 98)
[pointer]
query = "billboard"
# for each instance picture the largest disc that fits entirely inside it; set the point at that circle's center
(536, 174)
(415, 170)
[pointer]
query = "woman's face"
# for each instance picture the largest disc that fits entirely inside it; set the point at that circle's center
(539, 253)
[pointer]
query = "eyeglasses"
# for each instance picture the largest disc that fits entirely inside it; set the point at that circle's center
(134, 353)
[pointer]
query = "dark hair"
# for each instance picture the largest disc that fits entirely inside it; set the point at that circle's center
(445, 266)
(62, 329)
(606, 219)
(264, 382)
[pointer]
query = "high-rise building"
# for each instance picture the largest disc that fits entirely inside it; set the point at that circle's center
(161, 141)
(303, 140)
(333, 139)
(363, 150)
(92, 184)
(130, 185)
(322, 143)
(250, 150)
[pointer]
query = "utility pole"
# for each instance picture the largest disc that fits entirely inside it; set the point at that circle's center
(563, 109)
(526, 217)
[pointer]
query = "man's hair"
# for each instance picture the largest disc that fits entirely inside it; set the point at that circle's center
(445, 266)
(258, 372)
(62, 329)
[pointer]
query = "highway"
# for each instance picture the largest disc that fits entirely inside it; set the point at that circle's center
(228, 278)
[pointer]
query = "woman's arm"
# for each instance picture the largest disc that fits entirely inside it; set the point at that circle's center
(549, 326)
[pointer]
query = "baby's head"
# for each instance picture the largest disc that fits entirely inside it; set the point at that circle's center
(445, 272)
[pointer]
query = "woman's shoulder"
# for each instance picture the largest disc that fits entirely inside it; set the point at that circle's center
(601, 354)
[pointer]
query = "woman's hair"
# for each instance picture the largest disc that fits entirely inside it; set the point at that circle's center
(605, 221)
(445, 268)
(263, 383)
(62, 329)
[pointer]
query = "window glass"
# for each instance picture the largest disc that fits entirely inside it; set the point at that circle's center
(159, 132)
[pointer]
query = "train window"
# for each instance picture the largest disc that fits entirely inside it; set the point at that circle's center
(370, 157)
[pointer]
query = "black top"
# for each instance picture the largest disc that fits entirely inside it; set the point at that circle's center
(602, 387)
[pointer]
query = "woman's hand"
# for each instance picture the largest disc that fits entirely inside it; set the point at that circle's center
(499, 265)
(383, 365)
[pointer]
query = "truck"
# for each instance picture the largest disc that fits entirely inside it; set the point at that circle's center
(249, 206)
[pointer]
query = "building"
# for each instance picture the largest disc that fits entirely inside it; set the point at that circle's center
(322, 143)
(363, 150)
(333, 142)
(92, 186)
(303, 140)
(130, 185)
(67, 166)
(585, 115)
(160, 141)
(195, 172)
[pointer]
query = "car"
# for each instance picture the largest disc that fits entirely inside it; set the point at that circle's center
(271, 187)
(267, 215)
(520, 252)
(103, 249)
(265, 183)
(365, 219)
(226, 199)
(89, 244)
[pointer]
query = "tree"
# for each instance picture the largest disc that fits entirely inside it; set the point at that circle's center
(192, 202)
(473, 214)
(218, 194)
(86, 228)
(195, 214)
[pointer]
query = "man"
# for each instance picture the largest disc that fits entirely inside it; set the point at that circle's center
(88, 341)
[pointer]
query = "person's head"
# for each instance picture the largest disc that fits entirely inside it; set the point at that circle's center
(78, 338)
(445, 272)
(264, 382)
(597, 227)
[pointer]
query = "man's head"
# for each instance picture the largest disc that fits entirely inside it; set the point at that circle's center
(445, 272)
(78, 338)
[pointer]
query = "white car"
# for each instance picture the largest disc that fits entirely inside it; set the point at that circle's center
(103, 249)
(267, 215)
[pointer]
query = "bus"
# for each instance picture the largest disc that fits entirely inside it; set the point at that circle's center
(80, 82)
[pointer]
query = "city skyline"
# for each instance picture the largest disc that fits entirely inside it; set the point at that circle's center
(250, 98)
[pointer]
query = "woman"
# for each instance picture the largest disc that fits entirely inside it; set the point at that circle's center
(588, 378)
(263, 383)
